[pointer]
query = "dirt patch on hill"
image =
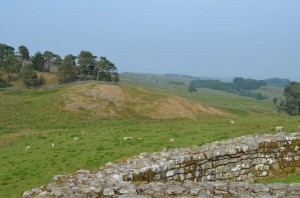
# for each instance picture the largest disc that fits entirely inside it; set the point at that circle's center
(113, 101)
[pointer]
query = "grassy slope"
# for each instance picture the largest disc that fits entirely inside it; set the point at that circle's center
(210, 97)
(30, 117)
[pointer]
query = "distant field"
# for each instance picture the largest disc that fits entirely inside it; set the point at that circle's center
(271, 92)
(35, 117)
(207, 96)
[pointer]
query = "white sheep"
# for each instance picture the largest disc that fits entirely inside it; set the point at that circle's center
(76, 139)
(127, 138)
(279, 128)
(53, 145)
(231, 122)
(172, 140)
(82, 132)
(28, 148)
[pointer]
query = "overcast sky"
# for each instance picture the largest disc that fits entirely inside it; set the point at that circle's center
(219, 38)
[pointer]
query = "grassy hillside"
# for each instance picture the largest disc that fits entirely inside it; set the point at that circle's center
(216, 98)
(112, 101)
(40, 117)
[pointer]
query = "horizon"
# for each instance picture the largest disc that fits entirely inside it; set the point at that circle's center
(249, 39)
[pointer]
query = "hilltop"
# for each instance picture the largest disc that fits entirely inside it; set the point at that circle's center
(113, 101)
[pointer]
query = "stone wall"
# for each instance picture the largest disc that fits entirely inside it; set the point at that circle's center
(225, 169)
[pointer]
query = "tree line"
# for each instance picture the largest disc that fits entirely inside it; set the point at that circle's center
(239, 86)
(84, 66)
(278, 82)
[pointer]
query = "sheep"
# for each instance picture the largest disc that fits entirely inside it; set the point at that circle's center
(53, 145)
(172, 140)
(127, 138)
(28, 148)
(82, 132)
(231, 122)
(76, 139)
(278, 128)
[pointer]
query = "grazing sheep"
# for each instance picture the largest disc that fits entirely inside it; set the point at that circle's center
(28, 148)
(231, 122)
(82, 132)
(172, 140)
(53, 145)
(76, 139)
(127, 138)
(279, 128)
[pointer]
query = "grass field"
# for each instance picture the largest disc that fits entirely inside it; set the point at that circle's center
(291, 178)
(35, 117)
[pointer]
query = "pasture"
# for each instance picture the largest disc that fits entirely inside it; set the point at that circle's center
(34, 117)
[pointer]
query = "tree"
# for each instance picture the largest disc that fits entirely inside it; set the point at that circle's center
(10, 65)
(29, 76)
(248, 84)
(57, 60)
(67, 69)
(275, 100)
(38, 62)
(5, 50)
(260, 96)
(106, 71)
(192, 88)
(24, 52)
(292, 100)
(86, 61)
(49, 57)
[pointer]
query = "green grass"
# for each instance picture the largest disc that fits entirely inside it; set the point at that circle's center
(292, 178)
(32, 117)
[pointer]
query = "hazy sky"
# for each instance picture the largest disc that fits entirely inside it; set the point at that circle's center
(221, 38)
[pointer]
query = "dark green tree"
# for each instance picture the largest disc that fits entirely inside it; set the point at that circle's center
(49, 58)
(29, 76)
(192, 87)
(57, 60)
(67, 69)
(86, 62)
(5, 50)
(38, 62)
(248, 84)
(260, 96)
(24, 52)
(10, 65)
(106, 71)
(275, 100)
(292, 98)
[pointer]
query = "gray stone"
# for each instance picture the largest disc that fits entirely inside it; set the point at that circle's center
(127, 191)
(174, 190)
(108, 192)
(133, 196)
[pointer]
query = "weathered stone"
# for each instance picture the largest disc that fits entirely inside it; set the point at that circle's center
(133, 196)
(174, 190)
(108, 192)
(127, 191)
